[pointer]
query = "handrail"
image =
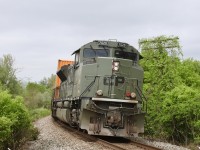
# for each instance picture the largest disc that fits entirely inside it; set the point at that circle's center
(86, 89)
(142, 96)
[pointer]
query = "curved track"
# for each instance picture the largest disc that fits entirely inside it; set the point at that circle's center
(120, 144)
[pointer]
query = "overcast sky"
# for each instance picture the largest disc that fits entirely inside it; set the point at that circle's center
(39, 32)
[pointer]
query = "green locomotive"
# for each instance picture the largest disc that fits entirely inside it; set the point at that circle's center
(101, 91)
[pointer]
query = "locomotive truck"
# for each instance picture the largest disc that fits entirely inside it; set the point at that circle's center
(101, 90)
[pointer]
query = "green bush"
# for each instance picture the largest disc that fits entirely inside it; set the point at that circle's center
(5, 130)
(172, 88)
(14, 120)
(37, 96)
(179, 115)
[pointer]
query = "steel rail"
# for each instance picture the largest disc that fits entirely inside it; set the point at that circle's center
(144, 146)
(90, 138)
(102, 142)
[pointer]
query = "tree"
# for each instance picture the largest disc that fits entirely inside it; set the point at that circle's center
(38, 95)
(15, 121)
(189, 72)
(180, 114)
(33, 96)
(172, 89)
(49, 82)
(160, 63)
(161, 60)
(8, 77)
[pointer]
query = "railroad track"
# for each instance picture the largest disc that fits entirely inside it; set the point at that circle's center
(147, 147)
(110, 145)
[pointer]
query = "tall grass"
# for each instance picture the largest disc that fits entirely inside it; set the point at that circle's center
(39, 113)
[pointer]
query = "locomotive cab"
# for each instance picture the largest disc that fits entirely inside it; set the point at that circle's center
(102, 90)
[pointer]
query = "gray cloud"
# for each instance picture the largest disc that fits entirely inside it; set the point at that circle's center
(39, 32)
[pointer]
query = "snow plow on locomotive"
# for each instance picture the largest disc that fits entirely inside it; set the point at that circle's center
(100, 91)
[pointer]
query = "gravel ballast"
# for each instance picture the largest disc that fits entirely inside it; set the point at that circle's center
(54, 137)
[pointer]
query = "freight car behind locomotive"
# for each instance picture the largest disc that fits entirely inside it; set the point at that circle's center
(101, 91)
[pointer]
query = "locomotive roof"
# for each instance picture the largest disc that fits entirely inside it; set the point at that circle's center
(110, 44)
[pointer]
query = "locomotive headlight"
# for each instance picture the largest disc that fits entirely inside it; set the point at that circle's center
(133, 95)
(115, 65)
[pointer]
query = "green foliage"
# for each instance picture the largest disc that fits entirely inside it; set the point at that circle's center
(14, 118)
(8, 75)
(189, 72)
(39, 113)
(15, 121)
(5, 129)
(49, 82)
(160, 63)
(37, 95)
(172, 88)
(180, 114)
(33, 88)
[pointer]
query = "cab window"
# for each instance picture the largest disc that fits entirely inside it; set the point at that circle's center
(91, 53)
(126, 55)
